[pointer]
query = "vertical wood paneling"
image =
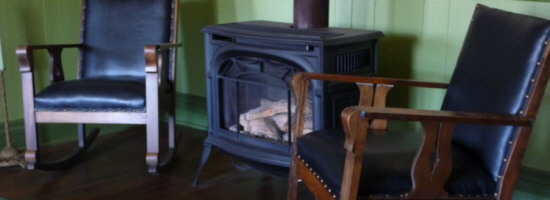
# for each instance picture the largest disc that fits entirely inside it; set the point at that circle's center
(460, 15)
(273, 10)
(342, 13)
(363, 14)
(430, 54)
(535, 155)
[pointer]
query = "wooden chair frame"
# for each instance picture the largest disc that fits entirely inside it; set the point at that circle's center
(156, 81)
(428, 180)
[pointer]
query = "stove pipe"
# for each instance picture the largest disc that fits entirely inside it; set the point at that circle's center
(310, 14)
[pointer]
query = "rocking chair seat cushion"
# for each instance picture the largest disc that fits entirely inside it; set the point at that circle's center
(387, 161)
(125, 94)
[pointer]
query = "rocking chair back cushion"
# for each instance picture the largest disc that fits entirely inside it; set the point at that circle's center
(500, 56)
(114, 47)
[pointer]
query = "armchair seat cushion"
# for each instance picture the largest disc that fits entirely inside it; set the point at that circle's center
(102, 94)
(387, 161)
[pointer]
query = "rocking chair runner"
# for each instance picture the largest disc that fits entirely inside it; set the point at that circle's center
(126, 75)
(471, 149)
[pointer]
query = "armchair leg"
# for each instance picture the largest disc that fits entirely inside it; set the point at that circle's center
(292, 180)
(32, 156)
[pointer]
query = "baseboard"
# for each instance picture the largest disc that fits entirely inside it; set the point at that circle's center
(191, 111)
(534, 181)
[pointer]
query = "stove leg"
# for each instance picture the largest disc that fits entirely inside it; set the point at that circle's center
(204, 158)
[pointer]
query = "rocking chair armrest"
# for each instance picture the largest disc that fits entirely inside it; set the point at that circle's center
(25, 55)
(154, 55)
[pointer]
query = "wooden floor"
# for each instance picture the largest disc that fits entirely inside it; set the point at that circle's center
(114, 168)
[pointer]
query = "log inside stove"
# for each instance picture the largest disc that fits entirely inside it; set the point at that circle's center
(271, 120)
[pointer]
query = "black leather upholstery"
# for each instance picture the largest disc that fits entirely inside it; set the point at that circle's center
(113, 46)
(387, 164)
(101, 94)
(493, 74)
(113, 65)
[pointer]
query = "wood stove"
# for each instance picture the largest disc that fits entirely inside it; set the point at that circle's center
(249, 67)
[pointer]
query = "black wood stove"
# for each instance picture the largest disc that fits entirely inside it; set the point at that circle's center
(249, 67)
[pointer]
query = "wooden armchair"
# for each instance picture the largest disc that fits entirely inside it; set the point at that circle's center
(126, 75)
(471, 149)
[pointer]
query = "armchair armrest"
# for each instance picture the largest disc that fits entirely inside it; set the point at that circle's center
(440, 116)
(370, 94)
(373, 80)
(351, 114)
(25, 57)
(428, 177)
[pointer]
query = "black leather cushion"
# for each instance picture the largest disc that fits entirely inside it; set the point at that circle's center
(387, 164)
(123, 93)
(493, 74)
(116, 33)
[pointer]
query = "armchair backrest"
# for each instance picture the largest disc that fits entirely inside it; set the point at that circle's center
(496, 70)
(114, 34)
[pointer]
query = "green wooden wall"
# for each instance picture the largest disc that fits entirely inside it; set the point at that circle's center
(423, 39)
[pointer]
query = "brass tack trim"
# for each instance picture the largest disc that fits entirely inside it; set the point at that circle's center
(334, 196)
(133, 110)
(510, 142)
(84, 110)
(74, 110)
(329, 190)
(504, 160)
(35, 110)
(94, 110)
(526, 96)
(521, 112)
(499, 176)
(496, 194)
(65, 110)
(55, 109)
(538, 63)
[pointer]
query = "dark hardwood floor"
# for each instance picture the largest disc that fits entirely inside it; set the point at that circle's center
(114, 168)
